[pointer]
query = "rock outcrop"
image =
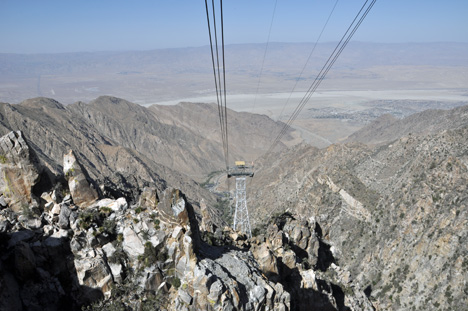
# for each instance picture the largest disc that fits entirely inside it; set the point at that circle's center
(81, 190)
(102, 253)
(19, 169)
(293, 253)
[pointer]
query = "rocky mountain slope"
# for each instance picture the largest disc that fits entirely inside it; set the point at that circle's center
(185, 136)
(125, 146)
(245, 129)
(394, 215)
(53, 129)
(71, 249)
(349, 227)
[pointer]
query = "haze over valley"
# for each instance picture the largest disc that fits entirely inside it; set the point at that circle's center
(368, 80)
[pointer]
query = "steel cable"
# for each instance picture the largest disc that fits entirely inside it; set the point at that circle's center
(220, 80)
(325, 69)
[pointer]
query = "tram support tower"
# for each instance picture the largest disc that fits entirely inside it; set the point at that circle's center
(241, 213)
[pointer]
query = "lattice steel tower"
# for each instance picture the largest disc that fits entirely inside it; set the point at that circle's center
(241, 214)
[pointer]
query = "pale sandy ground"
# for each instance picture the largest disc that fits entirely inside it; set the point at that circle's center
(275, 103)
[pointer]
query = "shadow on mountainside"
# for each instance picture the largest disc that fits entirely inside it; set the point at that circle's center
(306, 299)
(38, 273)
(302, 299)
(325, 256)
(326, 295)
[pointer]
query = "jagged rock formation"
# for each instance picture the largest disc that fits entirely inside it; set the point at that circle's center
(294, 253)
(19, 169)
(82, 192)
(108, 254)
(394, 215)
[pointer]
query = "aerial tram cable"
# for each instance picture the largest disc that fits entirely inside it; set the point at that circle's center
(264, 56)
(303, 68)
(331, 60)
(333, 57)
(339, 48)
(223, 129)
(241, 217)
(214, 72)
(224, 88)
(308, 59)
(225, 99)
(325, 69)
(222, 107)
(220, 80)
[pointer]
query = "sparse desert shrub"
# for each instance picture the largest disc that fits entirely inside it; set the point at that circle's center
(108, 226)
(152, 255)
(120, 238)
(154, 302)
(223, 205)
(139, 209)
(106, 306)
(106, 210)
(156, 223)
(174, 281)
(118, 256)
(88, 218)
(26, 211)
(3, 159)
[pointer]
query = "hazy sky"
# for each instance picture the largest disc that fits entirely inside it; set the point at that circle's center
(37, 26)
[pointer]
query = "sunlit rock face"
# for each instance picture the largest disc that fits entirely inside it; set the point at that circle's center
(81, 190)
(19, 169)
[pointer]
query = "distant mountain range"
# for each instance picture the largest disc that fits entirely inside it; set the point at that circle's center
(159, 75)
(238, 57)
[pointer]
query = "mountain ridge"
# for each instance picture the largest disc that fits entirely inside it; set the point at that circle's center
(354, 226)
(394, 213)
(430, 121)
(131, 136)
